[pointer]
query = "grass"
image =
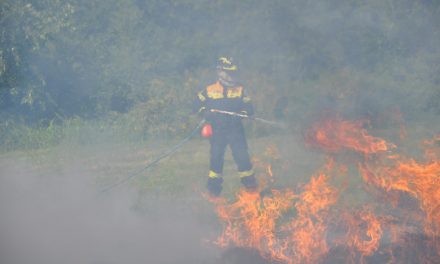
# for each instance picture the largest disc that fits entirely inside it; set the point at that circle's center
(180, 177)
(184, 173)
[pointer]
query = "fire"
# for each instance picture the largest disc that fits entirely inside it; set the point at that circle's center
(363, 240)
(334, 135)
(432, 148)
(251, 222)
(315, 220)
(308, 230)
(420, 180)
(262, 222)
(264, 163)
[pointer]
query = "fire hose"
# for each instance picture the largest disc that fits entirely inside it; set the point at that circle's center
(272, 123)
(155, 161)
(182, 142)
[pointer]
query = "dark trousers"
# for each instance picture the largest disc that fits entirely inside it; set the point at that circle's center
(235, 138)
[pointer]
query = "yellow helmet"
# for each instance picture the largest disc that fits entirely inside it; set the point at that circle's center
(226, 64)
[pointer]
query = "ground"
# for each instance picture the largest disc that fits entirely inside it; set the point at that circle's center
(53, 210)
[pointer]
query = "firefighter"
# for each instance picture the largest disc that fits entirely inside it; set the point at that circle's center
(226, 94)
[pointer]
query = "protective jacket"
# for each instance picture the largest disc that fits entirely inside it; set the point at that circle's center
(232, 99)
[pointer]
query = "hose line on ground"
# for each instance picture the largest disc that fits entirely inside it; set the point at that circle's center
(155, 161)
(183, 141)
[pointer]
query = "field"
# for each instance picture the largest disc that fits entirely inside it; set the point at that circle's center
(53, 208)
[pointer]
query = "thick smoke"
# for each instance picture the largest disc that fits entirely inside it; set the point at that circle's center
(62, 218)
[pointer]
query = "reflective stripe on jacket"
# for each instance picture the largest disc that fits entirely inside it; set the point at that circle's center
(232, 99)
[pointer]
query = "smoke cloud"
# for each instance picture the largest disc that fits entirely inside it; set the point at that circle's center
(61, 218)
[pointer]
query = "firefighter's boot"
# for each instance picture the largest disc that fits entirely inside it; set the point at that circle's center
(214, 186)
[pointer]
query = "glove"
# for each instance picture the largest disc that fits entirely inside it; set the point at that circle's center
(244, 113)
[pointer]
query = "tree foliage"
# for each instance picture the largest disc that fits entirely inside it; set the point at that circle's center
(93, 58)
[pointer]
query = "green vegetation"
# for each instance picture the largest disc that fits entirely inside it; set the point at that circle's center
(86, 70)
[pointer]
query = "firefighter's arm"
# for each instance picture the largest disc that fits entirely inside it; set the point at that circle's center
(199, 105)
(248, 108)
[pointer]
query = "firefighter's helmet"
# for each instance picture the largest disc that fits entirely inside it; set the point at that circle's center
(226, 64)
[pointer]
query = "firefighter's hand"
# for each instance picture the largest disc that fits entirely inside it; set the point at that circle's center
(244, 113)
(203, 113)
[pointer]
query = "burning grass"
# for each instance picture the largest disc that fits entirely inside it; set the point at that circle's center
(398, 221)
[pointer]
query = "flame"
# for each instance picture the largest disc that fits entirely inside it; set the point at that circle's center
(251, 222)
(254, 221)
(420, 180)
(432, 148)
(334, 135)
(308, 229)
(364, 240)
(264, 163)
(306, 225)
